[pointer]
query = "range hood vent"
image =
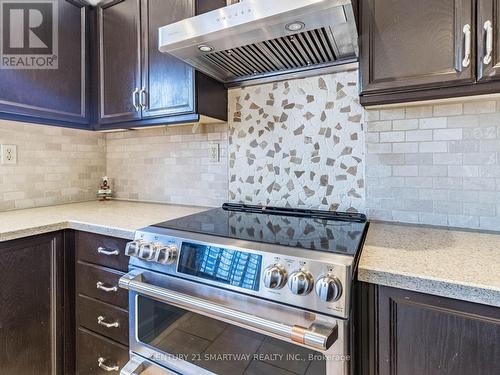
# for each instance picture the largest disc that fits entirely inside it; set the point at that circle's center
(247, 49)
(285, 53)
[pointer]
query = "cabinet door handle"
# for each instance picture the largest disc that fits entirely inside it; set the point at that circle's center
(101, 320)
(100, 285)
(134, 99)
(467, 45)
(107, 251)
(101, 363)
(143, 98)
(488, 28)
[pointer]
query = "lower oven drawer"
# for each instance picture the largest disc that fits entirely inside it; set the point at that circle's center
(97, 355)
(141, 366)
(103, 318)
(101, 283)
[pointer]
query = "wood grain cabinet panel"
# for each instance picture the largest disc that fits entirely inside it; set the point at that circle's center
(56, 96)
(168, 83)
(488, 40)
(87, 278)
(103, 318)
(118, 24)
(102, 250)
(423, 334)
(31, 309)
(94, 349)
(407, 44)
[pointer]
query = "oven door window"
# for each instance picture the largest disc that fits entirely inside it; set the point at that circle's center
(220, 347)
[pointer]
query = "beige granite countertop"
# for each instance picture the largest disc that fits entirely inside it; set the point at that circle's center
(451, 263)
(112, 218)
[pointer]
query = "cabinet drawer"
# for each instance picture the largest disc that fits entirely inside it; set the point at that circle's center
(88, 277)
(103, 318)
(102, 250)
(93, 349)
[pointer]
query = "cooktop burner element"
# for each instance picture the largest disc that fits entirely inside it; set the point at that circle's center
(336, 232)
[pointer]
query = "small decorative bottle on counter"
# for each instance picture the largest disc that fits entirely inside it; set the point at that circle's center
(104, 191)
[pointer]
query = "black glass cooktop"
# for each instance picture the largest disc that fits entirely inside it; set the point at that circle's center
(336, 232)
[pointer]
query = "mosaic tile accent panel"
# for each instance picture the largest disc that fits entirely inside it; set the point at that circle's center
(298, 143)
(54, 165)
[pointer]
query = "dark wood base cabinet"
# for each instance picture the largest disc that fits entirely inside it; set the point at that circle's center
(409, 333)
(31, 305)
(101, 307)
(61, 314)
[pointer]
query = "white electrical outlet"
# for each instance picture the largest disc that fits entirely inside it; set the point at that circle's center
(9, 154)
(214, 152)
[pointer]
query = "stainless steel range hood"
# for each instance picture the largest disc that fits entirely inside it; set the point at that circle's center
(262, 40)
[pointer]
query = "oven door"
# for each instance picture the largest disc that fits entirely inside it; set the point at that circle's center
(191, 328)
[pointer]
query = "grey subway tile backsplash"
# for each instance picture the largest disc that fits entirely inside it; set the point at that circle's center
(450, 165)
(54, 165)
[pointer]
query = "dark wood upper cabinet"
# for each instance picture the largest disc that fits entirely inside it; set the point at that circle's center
(55, 96)
(407, 44)
(139, 85)
(415, 333)
(31, 313)
(118, 25)
(168, 84)
(415, 50)
(488, 40)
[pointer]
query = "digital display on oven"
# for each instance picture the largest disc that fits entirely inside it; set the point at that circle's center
(225, 266)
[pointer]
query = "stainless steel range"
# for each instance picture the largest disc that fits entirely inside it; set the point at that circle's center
(243, 290)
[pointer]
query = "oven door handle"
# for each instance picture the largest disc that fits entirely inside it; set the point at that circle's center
(318, 336)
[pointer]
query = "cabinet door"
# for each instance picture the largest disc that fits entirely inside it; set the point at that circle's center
(53, 94)
(119, 60)
(408, 44)
(168, 83)
(31, 307)
(424, 334)
(488, 40)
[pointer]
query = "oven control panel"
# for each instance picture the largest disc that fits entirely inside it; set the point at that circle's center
(320, 284)
(301, 282)
(152, 251)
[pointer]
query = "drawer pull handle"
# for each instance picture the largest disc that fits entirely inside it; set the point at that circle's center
(101, 320)
(107, 289)
(143, 98)
(105, 251)
(105, 367)
(467, 46)
(134, 99)
(488, 28)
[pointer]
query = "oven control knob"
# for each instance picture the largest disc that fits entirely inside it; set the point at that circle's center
(328, 288)
(274, 277)
(301, 282)
(148, 251)
(166, 254)
(132, 248)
